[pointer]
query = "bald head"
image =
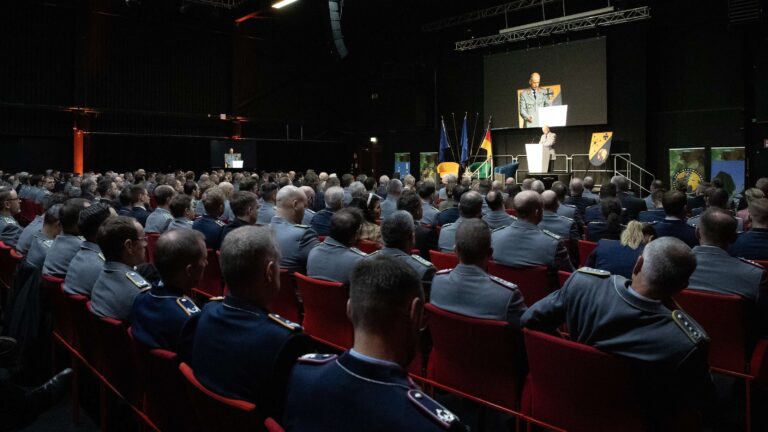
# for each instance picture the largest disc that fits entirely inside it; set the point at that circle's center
(309, 193)
(666, 265)
(550, 201)
(716, 228)
(290, 203)
(471, 205)
(538, 186)
(495, 200)
(576, 186)
(529, 206)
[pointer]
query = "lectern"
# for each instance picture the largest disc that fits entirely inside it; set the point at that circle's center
(538, 158)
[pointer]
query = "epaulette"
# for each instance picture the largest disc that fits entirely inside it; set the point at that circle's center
(688, 326)
(551, 234)
(187, 305)
(302, 226)
(566, 217)
(443, 271)
(358, 251)
(434, 208)
(220, 223)
(81, 238)
(290, 325)
(446, 225)
(101, 255)
(502, 282)
(594, 272)
(143, 290)
(9, 220)
(137, 280)
(48, 243)
(421, 260)
(317, 359)
(752, 262)
(374, 253)
(498, 229)
(217, 298)
(432, 409)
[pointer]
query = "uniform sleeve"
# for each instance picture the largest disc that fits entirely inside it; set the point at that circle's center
(10, 235)
(548, 313)
(562, 260)
(295, 347)
(696, 380)
(515, 309)
(574, 231)
(187, 338)
(308, 241)
(523, 113)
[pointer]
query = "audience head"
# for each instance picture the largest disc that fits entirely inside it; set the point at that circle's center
(550, 201)
(762, 184)
(91, 218)
(213, 201)
(608, 191)
(163, 195)
(537, 186)
(291, 203)
(191, 189)
(181, 258)
(250, 264)
(621, 182)
(495, 200)
(718, 198)
(397, 231)
(9, 201)
(664, 268)
(356, 189)
(560, 190)
(370, 205)
(268, 191)
(138, 195)
(181, 206)
(657, 197)
(227, 189)
(716, 228)
(589, 183)
(334, 198)
(310, 194)
(122, 239)
(611, 211)
(471, 205)
(637, 233)
(427, 191)
(345, 226)
(576, 187)
(675, 203)
(69, 215)
(656, 185)
(473, 243)
(51, 222)
(394, 188)
(410, 202)
(529, 206)
(245, 206)
(753, 193)
(758, 211)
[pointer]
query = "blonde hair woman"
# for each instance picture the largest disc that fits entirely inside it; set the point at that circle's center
(619, 256)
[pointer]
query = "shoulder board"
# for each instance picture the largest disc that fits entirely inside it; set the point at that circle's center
(434, 208)
(137, 280)
(502, 282)
(302, 226)
(594, 272)
(447, 225)
(551, 234)
(217, 298)
(688, 326)
(290, 325)
(752, 262)
(317, 359)
(48, 243)
(498, 229)
(81, 238)
(374, 253)
(421, 260)
(432, 409)
(358, 251)
(143, 290)
(443, 271)
(566, 218)
(220, 223)
(10, 220)
(187, 305)
(101, 255)
(568, 205)
(167, 216)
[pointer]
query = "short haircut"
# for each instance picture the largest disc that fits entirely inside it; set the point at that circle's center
(240, 202)
(380, 292)
(410, 202)
(758, 210)
(176, 249)
(267, 189)
(621, 182)
(426, 190)
(69, 214)
(248, 184)
(657, 184)
(51, 216)
(495, 200)
(473, 241)
(102, 187)
(608, 190)
(213, 201)
(163, 194)
(356, 189)
(526, 203)
(52, 199)
(91, 218)
(560, 190)
(674, 202)
(719, 198)
(550, 201)
(334, 197)
(5, 195)
(471, 205)
(190, 187)
(484, 187)
(667, 265)
(576, 186)
(345, 224)
(369, 183)
(136, 192)
(347, 179)
(394, 187)
(717, 226)
(589, 183)
(538, 186)
(397, 229)
(179, 205)
(244, 256)
(289, 192)
(112, 235)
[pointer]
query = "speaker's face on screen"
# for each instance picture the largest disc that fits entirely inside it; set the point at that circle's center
(534, 81)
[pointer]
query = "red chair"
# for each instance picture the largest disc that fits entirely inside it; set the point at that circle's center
(7, 265)
(218, 413)
(562, 276)
(585, 250)
(511, 212)
(368, 246)
(211, 284)
(151, 246)
(533, 282)
(321, 238)
(272, 426)
(578, 388)
(325, 311)
(493, 372)
(114, 357)
(443, 260)
(52, 297)
(287, 303)
(763, 263)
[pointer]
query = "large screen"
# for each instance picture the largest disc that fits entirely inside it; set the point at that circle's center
(569, 81)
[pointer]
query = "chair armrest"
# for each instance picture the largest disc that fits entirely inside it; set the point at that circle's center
(759, 361)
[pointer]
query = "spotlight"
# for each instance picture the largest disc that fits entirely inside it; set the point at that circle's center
(283, 3)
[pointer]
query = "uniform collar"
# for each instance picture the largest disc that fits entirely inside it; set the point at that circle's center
(392, 251)
(469, 270)
(363, 368)
(240, 304)
(117, 266)
(90, 246)
(373, 360)
(161, 291)
(548, 213)
(162, 210)
(621, 286)
(520, 223)
(714, 250)
(333, 242)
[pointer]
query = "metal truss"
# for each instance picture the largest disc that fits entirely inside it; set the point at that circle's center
(591, 22)
(483, 13)
(226, 4)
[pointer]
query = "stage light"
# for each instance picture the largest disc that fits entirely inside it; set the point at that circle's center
(374, 140)
(283, 3)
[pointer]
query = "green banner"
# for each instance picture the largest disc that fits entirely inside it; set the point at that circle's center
(688, 165)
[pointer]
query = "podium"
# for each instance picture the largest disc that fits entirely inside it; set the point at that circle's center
(538, 158)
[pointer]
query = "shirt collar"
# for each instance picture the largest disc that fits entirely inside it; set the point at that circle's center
(369, 359)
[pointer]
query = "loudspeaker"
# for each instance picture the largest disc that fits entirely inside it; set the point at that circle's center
(339, 47)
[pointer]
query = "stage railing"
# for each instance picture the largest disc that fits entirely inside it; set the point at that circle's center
(631, 168)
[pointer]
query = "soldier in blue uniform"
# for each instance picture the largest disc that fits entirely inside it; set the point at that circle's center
(397, 234)
(334, 201)
(594, 212)
(158, 220)
(470, 206)
(674, 224)
(10, 205)
(123, 243)
(158, 315)
(235, 346)
(209, 224)
(451, 214)
(638, 320)
(182, 212)
(334, 258)
(42, 241)
(86, 266)
(139, 201)
(67, 244)
(753, 244)
(293, 239)
(496, 217)
(568, 210)
(245, 207)
(428, 211)
(579, 198)
(367, 388)
(308, 212)
(656, 211)
(267, 207)
(563, 226)
(631, 204)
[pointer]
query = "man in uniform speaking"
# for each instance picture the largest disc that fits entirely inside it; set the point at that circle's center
(531, 99)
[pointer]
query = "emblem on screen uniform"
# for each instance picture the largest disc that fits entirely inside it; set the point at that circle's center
(445, 415)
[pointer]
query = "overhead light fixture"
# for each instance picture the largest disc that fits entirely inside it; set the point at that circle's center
(374, 140)
(283, 3)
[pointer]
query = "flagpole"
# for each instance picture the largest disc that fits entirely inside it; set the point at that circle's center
(478, 149)
(449, 142)
(455, 135)
(474, 132)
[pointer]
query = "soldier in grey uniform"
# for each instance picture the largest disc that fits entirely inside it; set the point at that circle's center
(308, 212)
(497, 217)
(524, 244)
(10, 230)
(530, 100)
(551, 221)
(34, 227)
(470, 206)
(399, 239)
(718, 198)
(638, 320)
(159, 220)
(294, 240)
(267, 206)
(334, 258)
(389, 204)
(43, 240)
(86, 266)
(428, 211)
(123, 242)
(468, 289)
(182, 212)
(717, 271)
(568, 210)
(67, 244)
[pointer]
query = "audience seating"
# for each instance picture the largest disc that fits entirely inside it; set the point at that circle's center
(585, 250)
(443, 260)
(7, 265)
(211, 284)
(511, 212)
(325, 311)
(577, 387)
(287, 303)
(368, 246)
(763, 263)
(533, 282)
(151, 246)
(562, 277)
(52, 304)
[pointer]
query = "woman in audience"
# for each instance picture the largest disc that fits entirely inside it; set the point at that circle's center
(610, 227)
(750, 194)
(370, 205)
(619, 256)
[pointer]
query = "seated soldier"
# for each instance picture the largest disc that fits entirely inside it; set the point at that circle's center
(86, 266)
(638, 320)
(42, 241)
(245, 208)
(139, 201)
(426, 191)
(10, 206)
(182, 212)
(398, 235)
(334, 201)
(496, 217)
(67, 244)
(551, 221)
(214, 340)
(293, 239)
(467, 289)
(655, 213)
(610, 226)
(158, 220)
(159, 314)
(334, 258)
(753, 244)
(368, 388)
(123, 243)
(470, 206)
(209, 224)
(34, 227)
(674, 224)
(425, 235)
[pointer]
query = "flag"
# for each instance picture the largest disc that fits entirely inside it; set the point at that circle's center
(486, 145)
(464, 142)
(443, 143)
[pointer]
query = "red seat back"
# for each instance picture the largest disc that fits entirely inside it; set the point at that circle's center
(368, 246)
(211, 284)
(218, 413)
(578, 388)
(585, 250)
(511, 212)
(763, 263)
(533, 282)
(562, 276)
(724, 318)
(325, 311)
(443, 260)
(151, 246)
(492, 372)
(114, 356)
(287, 303)
(54, 302)
(7, 265)
(82, 331)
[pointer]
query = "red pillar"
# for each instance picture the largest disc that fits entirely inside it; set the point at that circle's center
(78, 152)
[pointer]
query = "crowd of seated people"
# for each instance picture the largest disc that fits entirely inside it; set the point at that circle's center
(93, 233)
